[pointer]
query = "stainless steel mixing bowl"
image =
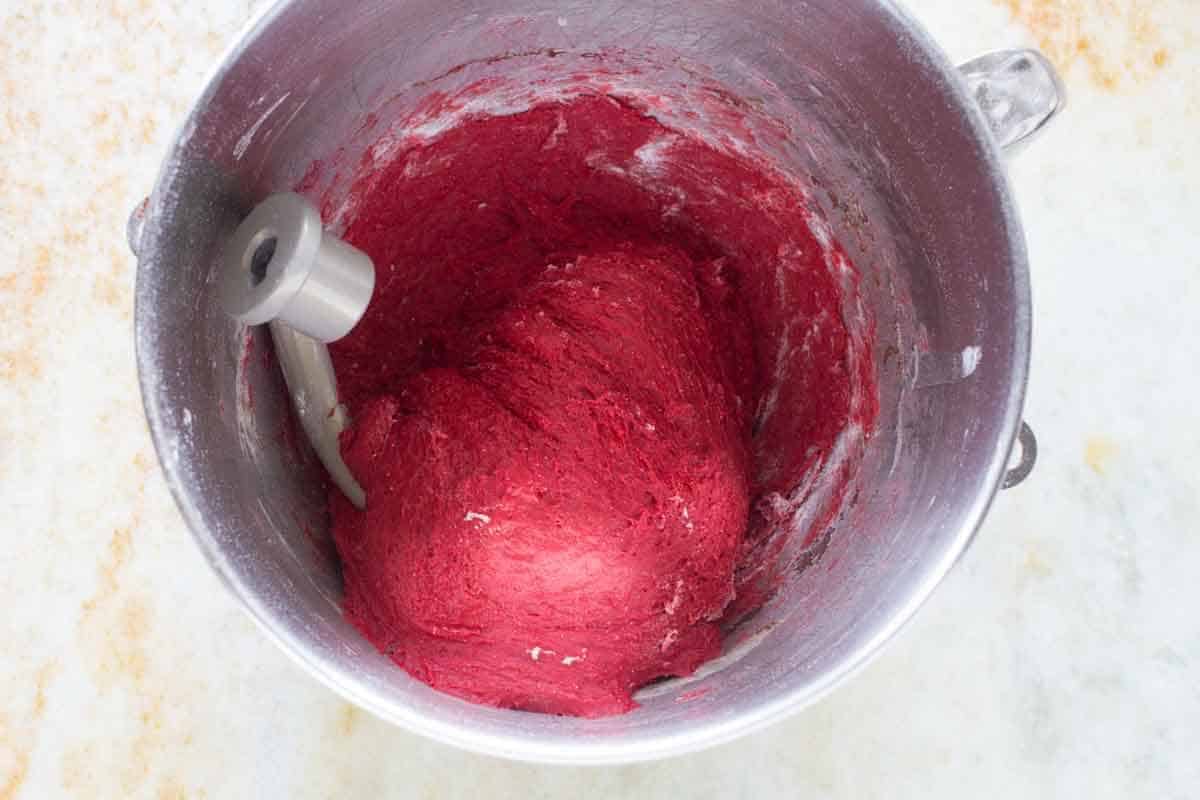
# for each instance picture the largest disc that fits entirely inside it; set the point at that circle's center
(905, 152)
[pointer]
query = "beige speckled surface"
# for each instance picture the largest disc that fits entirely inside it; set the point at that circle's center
(1061, 659)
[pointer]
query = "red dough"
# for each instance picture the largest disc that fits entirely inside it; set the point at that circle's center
(564, 396)
(554, 523)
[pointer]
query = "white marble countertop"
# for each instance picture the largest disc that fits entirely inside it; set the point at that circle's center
(1060, 659)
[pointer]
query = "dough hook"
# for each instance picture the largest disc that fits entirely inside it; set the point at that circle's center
(283, 269)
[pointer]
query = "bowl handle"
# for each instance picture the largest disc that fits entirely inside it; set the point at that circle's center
(1018, 91)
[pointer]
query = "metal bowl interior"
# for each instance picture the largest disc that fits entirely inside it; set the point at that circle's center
(909, 179)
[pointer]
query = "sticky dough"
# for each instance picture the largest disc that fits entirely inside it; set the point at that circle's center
(564, 401)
